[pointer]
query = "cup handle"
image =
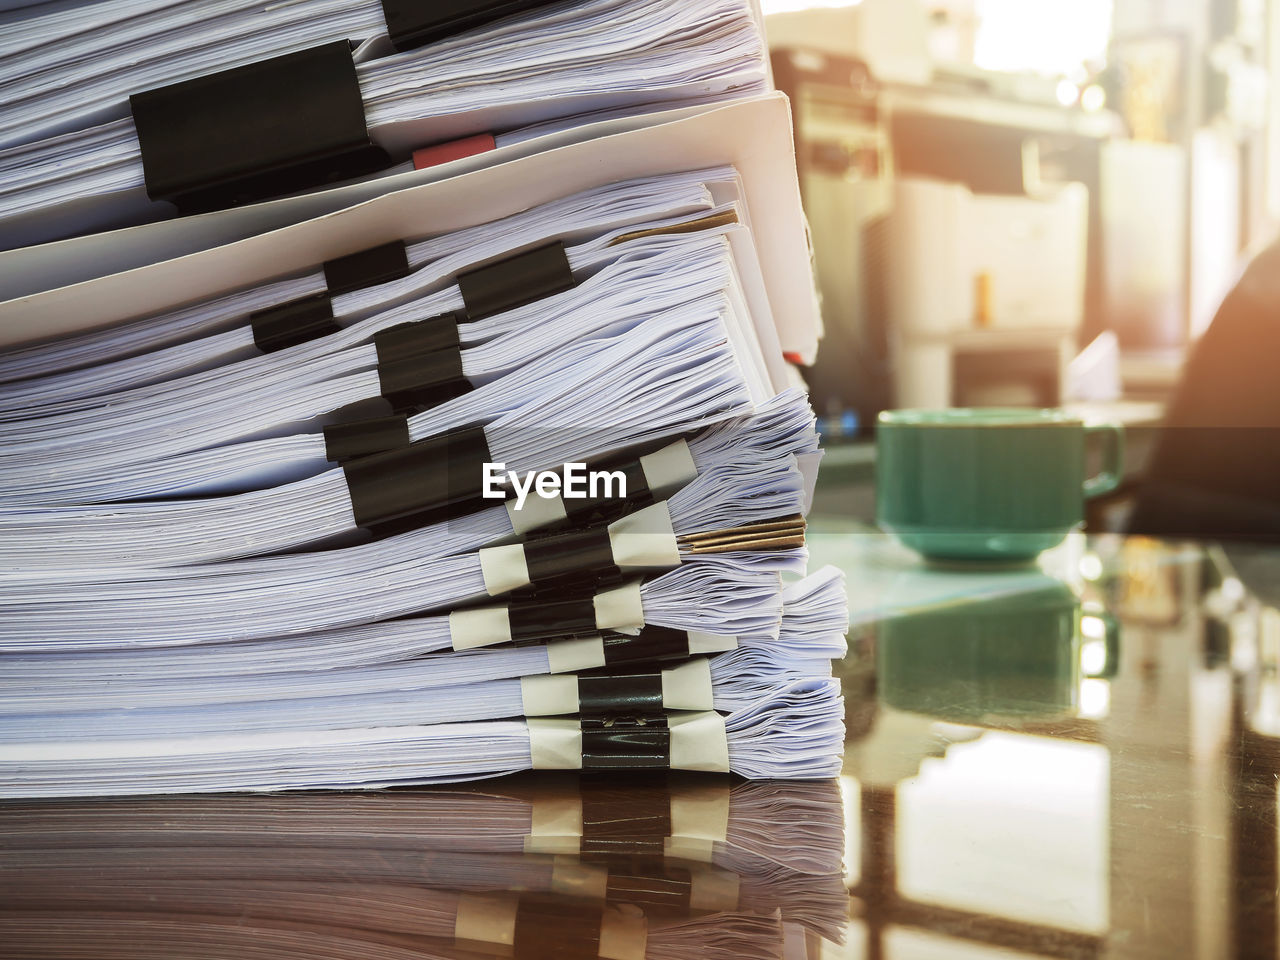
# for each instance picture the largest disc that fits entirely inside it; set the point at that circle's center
(1112, 459)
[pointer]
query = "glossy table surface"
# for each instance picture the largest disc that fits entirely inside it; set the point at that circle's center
(1076, 760)
(1071, 760)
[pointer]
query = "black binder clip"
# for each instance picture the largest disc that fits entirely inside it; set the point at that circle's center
(629, 694)
(651, 644)
(257, 131)
(292, 323)
(366, 268)
(363, 438)
(569, 564)
(516, 280)
(626, 743)
(571, 557)
(420, 364)
(437, 473)
(543, 614)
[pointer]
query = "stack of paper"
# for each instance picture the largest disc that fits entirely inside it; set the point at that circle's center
(509, 478)
(120, 115)
(546, 867)
(218, 330)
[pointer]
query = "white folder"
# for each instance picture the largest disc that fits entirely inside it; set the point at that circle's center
(91, 282)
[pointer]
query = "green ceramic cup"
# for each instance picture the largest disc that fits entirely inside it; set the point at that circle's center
(988, 483)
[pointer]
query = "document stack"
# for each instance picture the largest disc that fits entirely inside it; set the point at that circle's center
(584, 868)
(119, 111)
(502, 471)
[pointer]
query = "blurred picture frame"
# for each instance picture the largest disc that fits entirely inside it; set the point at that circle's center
(1148, 85)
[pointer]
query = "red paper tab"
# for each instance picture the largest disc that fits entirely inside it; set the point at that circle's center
(453, 150)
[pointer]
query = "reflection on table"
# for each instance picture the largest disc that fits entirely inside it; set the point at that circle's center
(533, 867)
(1066, 760)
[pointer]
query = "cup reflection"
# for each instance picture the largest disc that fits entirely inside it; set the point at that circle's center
(1017, 655)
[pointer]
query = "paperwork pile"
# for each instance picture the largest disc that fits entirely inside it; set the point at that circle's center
(503, 471)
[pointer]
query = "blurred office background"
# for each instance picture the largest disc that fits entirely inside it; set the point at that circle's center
(1025, 202)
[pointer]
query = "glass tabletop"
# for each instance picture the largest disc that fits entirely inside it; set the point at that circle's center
(1070, 760)
(1075, 759)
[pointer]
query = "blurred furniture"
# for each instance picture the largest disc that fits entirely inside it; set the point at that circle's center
(845, 165)
(984, 294)
(1144, 234)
